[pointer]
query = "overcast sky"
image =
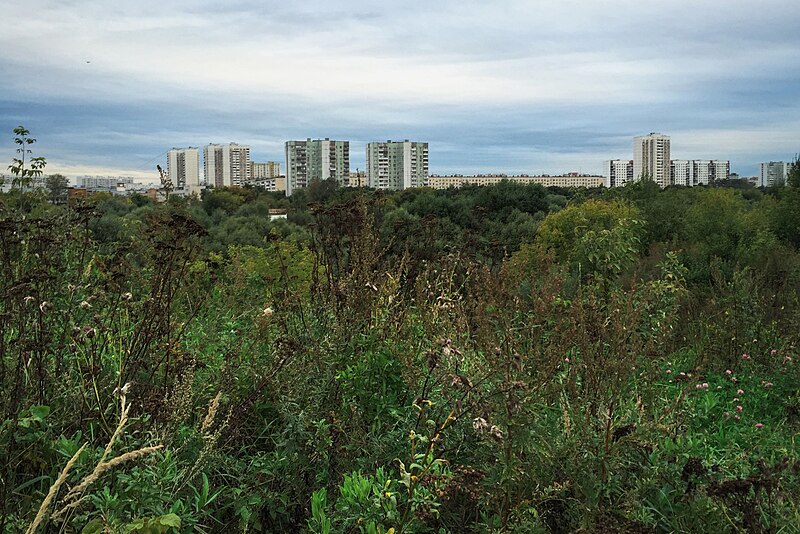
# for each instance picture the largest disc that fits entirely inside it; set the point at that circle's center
(494, 86)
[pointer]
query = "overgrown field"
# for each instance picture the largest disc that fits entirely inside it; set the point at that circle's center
(499, 359)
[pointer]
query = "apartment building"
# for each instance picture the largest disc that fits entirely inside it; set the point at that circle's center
(183, 169)
(317, 159)
(617, 172)
(772, 173)
(226, 165)
(269, 169)
(564, 180)
(397, 165)
(651, 158)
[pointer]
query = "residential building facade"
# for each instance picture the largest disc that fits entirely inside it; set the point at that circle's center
(564, 180)
(772, 173)
(617, 172)
(396, 165)
(317, 159)
(651, 158)
(269, 169)
(183, 169)
(226, 165)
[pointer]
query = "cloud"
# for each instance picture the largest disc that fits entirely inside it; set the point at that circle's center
(517, 84)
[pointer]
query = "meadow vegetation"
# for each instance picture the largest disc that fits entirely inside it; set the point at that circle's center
(496, 359)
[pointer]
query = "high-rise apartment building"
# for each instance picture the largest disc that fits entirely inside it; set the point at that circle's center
(694, 172)
(772, 173)
(682, 172)
(651, 158)
(226, 165)
(617, 172)
(318, 159)
(269, 169)
(397, 165)
(183, 168)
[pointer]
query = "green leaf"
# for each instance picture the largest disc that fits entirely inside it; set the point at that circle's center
(95, 526)
(40, 412)
(170, 520)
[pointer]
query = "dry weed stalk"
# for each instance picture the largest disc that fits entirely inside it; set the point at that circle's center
(74, 497)
(53, 490)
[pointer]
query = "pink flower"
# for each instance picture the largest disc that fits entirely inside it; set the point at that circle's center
(705, 385)
(728, 372)
(745, 357)
(739, 408)
(739, 391)
(697, 386)
(768, 385)
(566, 360)
(736, 417)
(736, 399)
(668, 371)
(726, 415)
(773, 351)
(734, 379)
(787, 358)
(759, 425)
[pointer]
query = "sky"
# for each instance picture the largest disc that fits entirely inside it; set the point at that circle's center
(511, 86)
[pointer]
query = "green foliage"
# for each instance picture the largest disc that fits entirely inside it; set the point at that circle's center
(25, 167)
(507, 359)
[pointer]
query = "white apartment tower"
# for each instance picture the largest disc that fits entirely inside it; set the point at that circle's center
(317, 159)
(183, 168)
(617, 172)
(651, 158)
(396, 165)
(772, 173)
(227, 165)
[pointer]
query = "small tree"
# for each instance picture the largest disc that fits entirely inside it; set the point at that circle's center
(793, 176)
(23, 175)
(57, 185)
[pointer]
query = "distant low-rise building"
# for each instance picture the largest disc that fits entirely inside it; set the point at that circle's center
(277, 183)
(563, 180)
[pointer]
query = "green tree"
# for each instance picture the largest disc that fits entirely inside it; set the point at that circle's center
(25, 167)
(793, 176)
(57, 185)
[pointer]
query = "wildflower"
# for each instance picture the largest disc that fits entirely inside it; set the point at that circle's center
(566, 360)
(668, 371)
(44, 306)
(27, 300)
(739, 408)
(736, 399)
(739, 391)
(681, 374)
(479, 424)
(267, 313)
(697, 386)
(773, 351)
(719, 387)
(705, 385)
(734, 379)
(787, 358)
(759, 425)
(127, 296)
(736, 417)
(85, 305)
(726, 415)
(496, 433)
(728, 372)
(768, 385)
(745, 356)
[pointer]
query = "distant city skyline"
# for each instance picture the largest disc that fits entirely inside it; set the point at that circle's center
(518, 86)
